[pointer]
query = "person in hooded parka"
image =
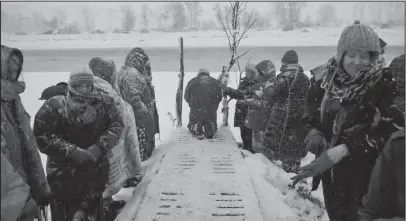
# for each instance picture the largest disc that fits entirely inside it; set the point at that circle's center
(17, 140)
(141, 80)
(76, 132)
(106, 79)
(348, 119)
(203, 94)
(286, 97)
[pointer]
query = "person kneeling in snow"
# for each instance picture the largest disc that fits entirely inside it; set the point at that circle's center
(203, 94)
(76, 131)
(385, 200)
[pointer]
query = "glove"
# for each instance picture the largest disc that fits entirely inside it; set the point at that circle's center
(80, 156)
(315, 142)
(326, 160)
(314, 168)
(29, 210)
(94, 151)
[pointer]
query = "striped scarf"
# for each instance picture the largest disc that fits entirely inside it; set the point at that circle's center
(344, 87)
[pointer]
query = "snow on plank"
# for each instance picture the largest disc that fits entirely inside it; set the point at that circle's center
(197, 180)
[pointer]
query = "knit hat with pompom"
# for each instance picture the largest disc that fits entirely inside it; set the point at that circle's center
(357, 37)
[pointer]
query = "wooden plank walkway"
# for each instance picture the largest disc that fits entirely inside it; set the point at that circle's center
(195, 180)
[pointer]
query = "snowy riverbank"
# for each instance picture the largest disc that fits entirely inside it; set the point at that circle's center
(311, 37)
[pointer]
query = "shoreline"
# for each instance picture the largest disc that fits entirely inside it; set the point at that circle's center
(210, 39)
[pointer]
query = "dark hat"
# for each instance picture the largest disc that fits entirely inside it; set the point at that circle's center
(63, 84)
(53, 91)
(290, 57)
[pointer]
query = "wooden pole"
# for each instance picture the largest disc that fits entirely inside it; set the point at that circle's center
(179, 93)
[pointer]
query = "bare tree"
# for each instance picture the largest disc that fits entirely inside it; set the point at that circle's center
(128, 21)
(230, 22)
(89, 19)
(195, 10)
(326, 15)
(146, 12)
(287, 12)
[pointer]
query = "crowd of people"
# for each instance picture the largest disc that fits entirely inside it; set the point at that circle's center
(349, 114)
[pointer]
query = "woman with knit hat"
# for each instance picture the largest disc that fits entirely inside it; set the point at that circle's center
(76, 132)
(348, 121)
(141, 80)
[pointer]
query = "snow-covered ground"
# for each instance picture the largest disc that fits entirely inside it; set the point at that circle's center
(271, 182)
(313, 37)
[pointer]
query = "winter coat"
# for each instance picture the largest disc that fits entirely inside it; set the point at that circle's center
(18, 143)
(284, 133)
(245, 88)
(134, 89)
(397, 67)
(14, 191)
(346, 182)
(258, 112)
(386, 192)
(203, 94)
(58, 131)
(138, 59)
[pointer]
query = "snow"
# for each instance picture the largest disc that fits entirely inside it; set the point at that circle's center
(255, 38)
(271, 182)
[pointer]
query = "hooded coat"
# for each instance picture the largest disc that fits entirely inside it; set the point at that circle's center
(17, 140)
(285, 133)
(203, 94)
(133, 89)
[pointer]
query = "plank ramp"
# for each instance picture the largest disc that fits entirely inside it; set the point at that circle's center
(195, 180)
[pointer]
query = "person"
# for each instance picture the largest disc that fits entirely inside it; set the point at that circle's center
(17, 140)
(106, 79)
(14, 194)
(245, 90)
(138, 59)
(385, 199)
(348, 118)
(76, 131)
(203, 94)
(59, 89)
(397, 67)
(258, 112)
(284, 133)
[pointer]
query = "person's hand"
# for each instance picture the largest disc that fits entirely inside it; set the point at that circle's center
(29, 210)
(80, 156)
(314, 168)
(94, 151)
(268, 84)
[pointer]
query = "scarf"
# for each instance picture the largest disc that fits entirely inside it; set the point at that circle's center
(346, 88)
(80, 108)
